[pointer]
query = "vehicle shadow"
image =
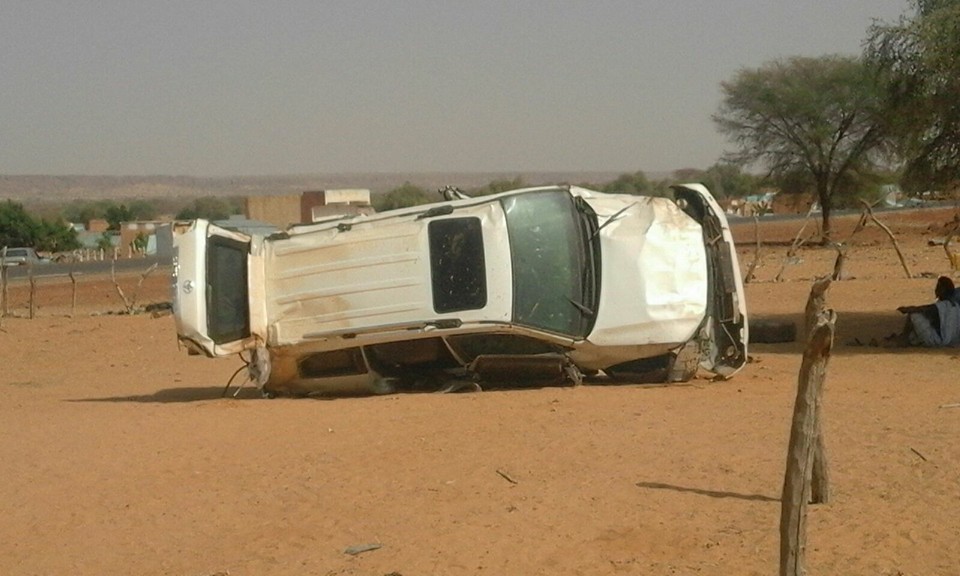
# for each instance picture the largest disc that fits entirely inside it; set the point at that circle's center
(182, 395)
(702, 492)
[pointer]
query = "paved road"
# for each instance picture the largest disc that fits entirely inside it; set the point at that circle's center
(124, 265)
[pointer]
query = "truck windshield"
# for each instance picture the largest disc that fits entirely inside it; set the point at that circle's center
(553, 262)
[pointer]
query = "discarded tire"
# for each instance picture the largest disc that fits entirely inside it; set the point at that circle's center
(772, 331)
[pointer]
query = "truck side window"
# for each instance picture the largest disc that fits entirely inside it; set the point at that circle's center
(457, 265)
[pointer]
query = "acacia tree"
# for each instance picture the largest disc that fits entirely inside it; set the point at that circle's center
(918, 57)
(820, 117)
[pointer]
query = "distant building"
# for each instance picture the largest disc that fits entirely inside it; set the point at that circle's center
(97, 225)
(307, 207)
(316, 205)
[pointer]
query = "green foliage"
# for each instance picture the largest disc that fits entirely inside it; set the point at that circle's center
(210, 208)
(403, 197)
(635, 183)
(724, 180)
(918, 59)
(105, 242)
(819, 116)
(116, 214)
(141, 242)
(143, 210)
(498, 186)
(19, 228)
(56, 236)
(83, 211)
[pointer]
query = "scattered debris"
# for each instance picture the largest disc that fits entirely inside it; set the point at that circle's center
(506, 477)
(922, 457)
(953, 405)
(361, 548)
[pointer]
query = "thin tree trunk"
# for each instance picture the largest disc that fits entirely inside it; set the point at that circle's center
(896, 245)
(825, 210)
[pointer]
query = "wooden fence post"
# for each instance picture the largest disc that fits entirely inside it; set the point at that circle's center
(33, 291)
(801, 452)
(73, 294)
(3, 284)
(750, 277)
(820, 480)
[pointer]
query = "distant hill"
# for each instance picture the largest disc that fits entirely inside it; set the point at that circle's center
(33, 189)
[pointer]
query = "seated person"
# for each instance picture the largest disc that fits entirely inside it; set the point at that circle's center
(936, 324)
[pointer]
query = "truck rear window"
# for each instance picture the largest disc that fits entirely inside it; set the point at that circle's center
(457, 265)
(228, 307)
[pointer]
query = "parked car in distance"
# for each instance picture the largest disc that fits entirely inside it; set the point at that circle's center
(21, 257)
(539, 285)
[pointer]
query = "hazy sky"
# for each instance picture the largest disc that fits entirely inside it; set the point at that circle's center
(244, 87)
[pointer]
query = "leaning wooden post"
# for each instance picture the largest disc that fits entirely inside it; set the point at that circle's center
(952, 257)
(3, 284)
(756, 254)
(113, 276)
(33, 291)
(800, 454)
(73, 294)
(896, 245)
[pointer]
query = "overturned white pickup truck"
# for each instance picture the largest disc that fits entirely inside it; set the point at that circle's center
(537, 285)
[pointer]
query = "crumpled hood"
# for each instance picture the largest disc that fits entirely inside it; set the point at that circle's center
(653, 272)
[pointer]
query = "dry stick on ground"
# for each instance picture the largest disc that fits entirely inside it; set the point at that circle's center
(842, 247)
(113, 276)
(800, 455)
(820, 479)
(130, 305)
(756, 254)
(143, 277)
(896, 245)
(797, 242)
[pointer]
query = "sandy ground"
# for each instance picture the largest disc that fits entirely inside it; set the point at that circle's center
(119, 456)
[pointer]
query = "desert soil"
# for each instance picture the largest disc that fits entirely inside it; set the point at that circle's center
(118, 454)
